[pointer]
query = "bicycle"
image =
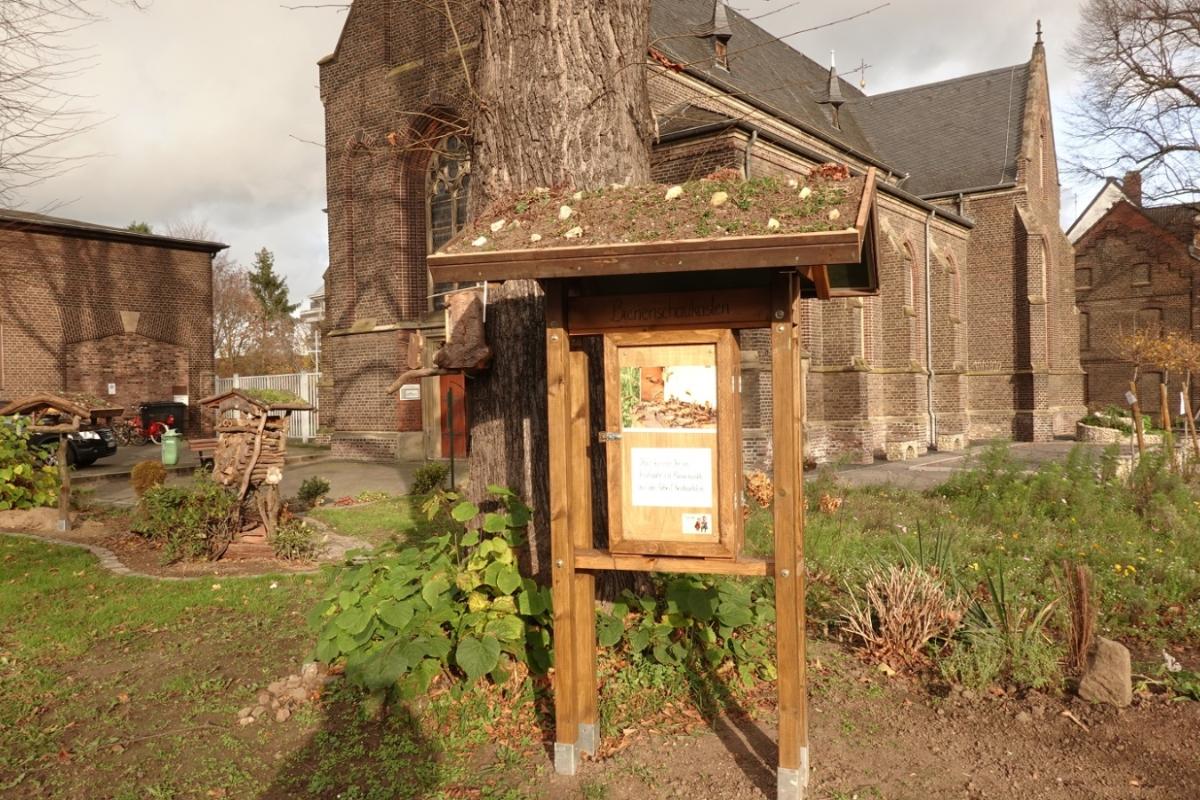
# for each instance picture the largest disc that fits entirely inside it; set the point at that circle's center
(129, 432)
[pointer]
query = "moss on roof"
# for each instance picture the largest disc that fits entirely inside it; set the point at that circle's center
(721, 205)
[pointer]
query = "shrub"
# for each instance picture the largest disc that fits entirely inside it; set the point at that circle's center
(312, 490)
(188, 521)
(1002, 639)
(902, 609)
(457, 603)
(429, 477)
(146, 475)
(294, 541)
(26, 480)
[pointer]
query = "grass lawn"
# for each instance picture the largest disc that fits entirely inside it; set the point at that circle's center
(377, 522)
(114, 687)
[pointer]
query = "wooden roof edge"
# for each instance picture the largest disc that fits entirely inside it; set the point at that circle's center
(58, 402)
(213, 400)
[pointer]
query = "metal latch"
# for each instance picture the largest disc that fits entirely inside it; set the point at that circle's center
(608, 436)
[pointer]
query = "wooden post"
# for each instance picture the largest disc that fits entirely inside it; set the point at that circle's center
(792, 776)
(562, 555)
(1164, 415)
(798, 413)
(1189, 414)
(580, 516)
(1136, 410)
(64, 492)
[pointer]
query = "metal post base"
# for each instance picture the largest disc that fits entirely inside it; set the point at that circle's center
(566, 758)
(589, 738)
(789, 784)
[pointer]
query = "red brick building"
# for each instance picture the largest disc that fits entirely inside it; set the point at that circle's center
(1135, 268)
(974, 334)
(116, 314)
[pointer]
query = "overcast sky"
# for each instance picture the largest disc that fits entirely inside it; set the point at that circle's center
(202, 98)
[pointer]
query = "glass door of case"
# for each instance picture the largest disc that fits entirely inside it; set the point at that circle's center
(674, 443)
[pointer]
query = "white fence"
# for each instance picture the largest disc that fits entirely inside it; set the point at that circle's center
(302, 384)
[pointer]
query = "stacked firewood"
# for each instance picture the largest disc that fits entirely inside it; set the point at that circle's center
(235, 449)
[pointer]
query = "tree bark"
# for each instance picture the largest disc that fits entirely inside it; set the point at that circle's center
(562, 102)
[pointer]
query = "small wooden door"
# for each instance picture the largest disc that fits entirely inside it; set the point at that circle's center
(452, 396)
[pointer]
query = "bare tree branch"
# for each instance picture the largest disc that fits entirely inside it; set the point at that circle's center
(1140, 105)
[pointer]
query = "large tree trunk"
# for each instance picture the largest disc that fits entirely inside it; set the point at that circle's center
(562, 101)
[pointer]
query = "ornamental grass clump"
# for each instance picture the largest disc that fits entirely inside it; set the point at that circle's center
(900, 610)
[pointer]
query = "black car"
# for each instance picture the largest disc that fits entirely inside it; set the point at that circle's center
(84, 446)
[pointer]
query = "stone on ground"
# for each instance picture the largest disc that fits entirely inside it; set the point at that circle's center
(1109, 675)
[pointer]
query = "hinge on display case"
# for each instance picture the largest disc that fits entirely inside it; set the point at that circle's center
(608, 436)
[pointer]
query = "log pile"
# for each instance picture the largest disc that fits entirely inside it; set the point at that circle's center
(234, 454)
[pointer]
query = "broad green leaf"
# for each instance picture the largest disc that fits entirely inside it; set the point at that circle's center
(506, 629)
(398, 615)
(347, 599)
(464, 511)
(353, 620)
(477, 656)
(434, 589)
(508, 580)
(500, 491)
(494, 523)
(470, 538)
(609, 630)
(734, 615)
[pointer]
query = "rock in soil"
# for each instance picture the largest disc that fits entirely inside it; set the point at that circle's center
(282, 715)
(1109, 675)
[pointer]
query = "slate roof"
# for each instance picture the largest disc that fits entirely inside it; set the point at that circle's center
(763, 70)
(955, 135)
(963, 133)
(11, 218)
(1176, 219)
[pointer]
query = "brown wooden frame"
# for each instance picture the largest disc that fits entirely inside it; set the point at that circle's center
(725, 541)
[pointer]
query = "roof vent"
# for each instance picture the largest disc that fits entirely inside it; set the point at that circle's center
(721, 34)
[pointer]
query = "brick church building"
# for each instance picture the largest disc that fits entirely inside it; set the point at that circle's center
(1135, 268)
(973, 336)
(123, 316)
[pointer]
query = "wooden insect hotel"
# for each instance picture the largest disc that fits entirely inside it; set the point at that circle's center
(249, 457)
(51, 413)
(647, 289)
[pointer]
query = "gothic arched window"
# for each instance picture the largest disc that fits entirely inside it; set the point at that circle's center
(448, 187)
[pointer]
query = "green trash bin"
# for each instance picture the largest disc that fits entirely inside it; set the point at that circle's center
(170, 447)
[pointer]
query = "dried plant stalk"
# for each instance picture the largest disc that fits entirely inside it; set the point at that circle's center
(1082, 614)
(902, 610)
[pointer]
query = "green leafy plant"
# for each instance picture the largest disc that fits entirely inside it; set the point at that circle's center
(294, 541)
(696, 624)
(1003, 639)
(455, 604)
(271, 396)
(188, 521)
(311, 490)
(146, 475)
(429, 477)
(26, 480)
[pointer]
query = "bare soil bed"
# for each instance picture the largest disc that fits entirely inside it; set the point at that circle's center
(874, 737)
